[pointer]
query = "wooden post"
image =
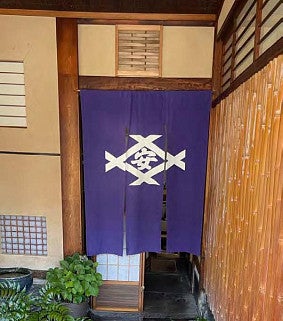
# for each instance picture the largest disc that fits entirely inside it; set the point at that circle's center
(257, 28)
(67, 55)
(217, 65)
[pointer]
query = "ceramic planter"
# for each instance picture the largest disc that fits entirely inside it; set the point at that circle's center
(21, 276)
(77, 310)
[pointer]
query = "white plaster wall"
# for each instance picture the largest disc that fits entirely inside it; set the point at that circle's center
(96, 50)
(31, 185)
(33, 41)
(187, 51)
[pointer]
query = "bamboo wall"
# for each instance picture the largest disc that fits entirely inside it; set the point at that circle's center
(243, 232)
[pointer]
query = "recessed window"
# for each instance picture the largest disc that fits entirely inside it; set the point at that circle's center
(12, 94)
(25, 235)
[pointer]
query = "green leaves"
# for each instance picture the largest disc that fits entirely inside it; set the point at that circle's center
(76, 279)
(18, 305)
(69, 284)
(15, 303)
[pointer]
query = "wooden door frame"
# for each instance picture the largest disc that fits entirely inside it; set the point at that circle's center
(69, 85)
(141, 281)
(140, 284)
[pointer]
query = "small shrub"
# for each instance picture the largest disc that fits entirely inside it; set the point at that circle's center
(76, 279)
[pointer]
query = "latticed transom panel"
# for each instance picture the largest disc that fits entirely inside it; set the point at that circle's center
(138, 50)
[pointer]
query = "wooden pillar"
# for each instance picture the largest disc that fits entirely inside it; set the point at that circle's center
(67, 56)
(217, 65)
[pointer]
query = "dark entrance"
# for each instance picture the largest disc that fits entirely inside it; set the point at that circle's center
(168, 288)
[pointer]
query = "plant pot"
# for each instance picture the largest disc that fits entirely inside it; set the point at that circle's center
(20, 276)
(77, 310)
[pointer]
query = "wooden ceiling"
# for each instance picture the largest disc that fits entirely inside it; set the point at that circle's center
(118, 6)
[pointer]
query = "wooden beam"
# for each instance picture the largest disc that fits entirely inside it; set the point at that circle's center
(209, 18)
(143, 83)
(67, 40)
(137, 6)
(196, 23)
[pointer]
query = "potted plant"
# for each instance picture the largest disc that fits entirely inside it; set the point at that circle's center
(74, 282)
(21, 276)
(19, 305)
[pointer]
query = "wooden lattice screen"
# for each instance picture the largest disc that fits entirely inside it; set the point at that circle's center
(255, 27)
(12, 94)
(138, 50)
(243, 231)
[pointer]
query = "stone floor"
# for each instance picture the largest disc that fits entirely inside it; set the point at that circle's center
(168, 294)
(167, 297)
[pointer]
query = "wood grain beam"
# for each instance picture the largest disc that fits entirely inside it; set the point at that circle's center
(143, 83)
(67, 41)
(196, 23)
(137, 6)
(211, 18)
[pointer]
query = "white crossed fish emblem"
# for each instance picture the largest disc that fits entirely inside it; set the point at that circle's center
(144, 152)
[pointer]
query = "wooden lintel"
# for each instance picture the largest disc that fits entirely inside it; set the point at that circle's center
(194, 23)
(143, 83)
(111, 15)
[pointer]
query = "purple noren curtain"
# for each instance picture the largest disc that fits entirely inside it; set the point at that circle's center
(132, 142)
(188, 118)
(105, 117)
(144, 200)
